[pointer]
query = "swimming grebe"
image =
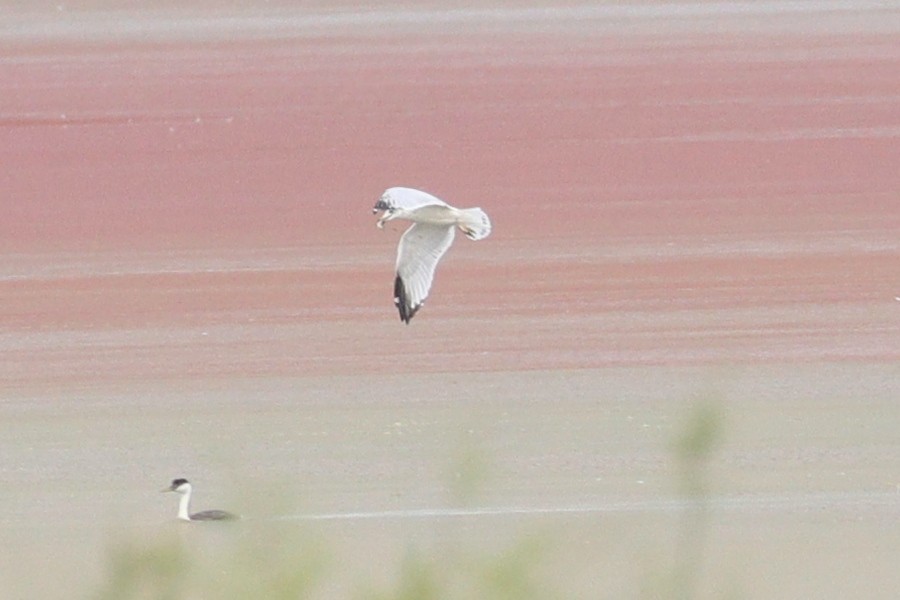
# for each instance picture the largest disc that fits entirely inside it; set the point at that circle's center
(183, 487)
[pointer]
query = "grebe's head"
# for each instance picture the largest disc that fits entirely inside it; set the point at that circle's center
(179, 486)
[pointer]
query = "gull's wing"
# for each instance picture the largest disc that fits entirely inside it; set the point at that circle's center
(407, 199)
(421, 247)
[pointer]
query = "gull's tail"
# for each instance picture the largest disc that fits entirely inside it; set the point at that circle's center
(474, 222)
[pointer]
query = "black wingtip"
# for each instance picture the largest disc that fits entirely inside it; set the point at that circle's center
(400, 299)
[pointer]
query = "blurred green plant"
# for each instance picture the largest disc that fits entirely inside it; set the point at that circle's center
(269, 564)
(418, 579)
(512, 574)
(155, 571)
(516, 574)
(468, 473)
(692, 448)
(192, 563)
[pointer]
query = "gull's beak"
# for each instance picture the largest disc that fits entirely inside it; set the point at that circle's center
(381, 205)
(168, 489)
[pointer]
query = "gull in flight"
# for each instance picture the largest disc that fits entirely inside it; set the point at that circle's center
(423, 244)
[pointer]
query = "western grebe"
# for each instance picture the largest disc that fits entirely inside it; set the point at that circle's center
(183, 487)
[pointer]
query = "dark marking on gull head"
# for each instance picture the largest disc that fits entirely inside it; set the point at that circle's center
(381, 205)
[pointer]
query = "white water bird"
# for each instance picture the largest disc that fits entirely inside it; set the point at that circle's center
(423, 244)
(183, 488)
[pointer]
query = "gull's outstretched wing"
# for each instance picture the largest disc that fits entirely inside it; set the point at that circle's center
(407, 199)
(421, 247)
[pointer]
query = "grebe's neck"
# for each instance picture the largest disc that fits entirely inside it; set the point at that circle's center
(184, 506)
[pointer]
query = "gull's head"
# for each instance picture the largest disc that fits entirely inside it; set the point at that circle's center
(384, 203)
(179, 486)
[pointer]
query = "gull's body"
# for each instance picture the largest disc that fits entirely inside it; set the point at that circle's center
(183, 488)
(426, 241)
